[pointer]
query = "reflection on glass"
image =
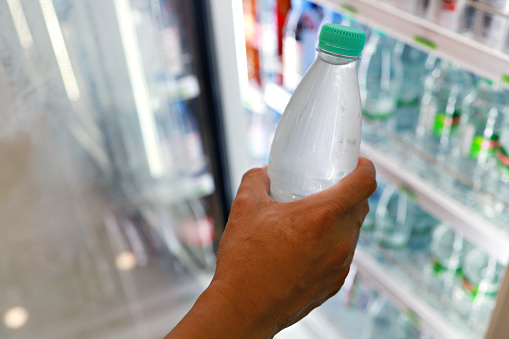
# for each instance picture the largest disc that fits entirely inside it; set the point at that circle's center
(57, 41)
(20, 22)
(15, 317)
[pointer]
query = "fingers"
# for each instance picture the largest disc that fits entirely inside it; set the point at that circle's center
(255, 184)
(350, 191)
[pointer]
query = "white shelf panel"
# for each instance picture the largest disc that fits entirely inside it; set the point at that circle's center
(167, 193)
(406, 298)
(468, 53)
(476, 229)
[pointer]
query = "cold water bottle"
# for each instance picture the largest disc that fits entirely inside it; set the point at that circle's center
(441, 110)
(317, 141)
(412, 87)
(300, 33)
(484, 112)
(476, 290)
(380, 74)
(495, 197)
(447, 251)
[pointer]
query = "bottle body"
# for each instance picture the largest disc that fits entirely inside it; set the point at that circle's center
(300, 34)
(447, 251)
(317, 141)
(441, 109)
(475, 292)
(479, 137)
(491, 29)
(397, 216)
(412, 87)
(495, 201)
(380, 75)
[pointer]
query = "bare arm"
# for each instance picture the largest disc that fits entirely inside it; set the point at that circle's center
(278, 261)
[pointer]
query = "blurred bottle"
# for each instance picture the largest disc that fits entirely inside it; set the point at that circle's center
(269, 57)
(185, 141)
(416, 7)
(380, 76)
(195, 230)
(412, 88)
(437, 128)
(393, 223)
(369, 221)
(447, 251)
(447, 13)
(475, 292)
(177, 60)
(385, 322)
(251, 32)
(483, 113)
(495, 199)
(331, 17)
(489, 28)
(282, 9)
(300, 34)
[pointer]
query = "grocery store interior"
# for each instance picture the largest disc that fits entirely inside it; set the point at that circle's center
(127, 126)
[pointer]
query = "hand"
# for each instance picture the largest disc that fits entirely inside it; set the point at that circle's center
(278, 261)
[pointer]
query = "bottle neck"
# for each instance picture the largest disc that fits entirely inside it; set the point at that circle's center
(335, 59)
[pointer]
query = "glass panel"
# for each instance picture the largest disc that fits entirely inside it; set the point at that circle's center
(104, 184)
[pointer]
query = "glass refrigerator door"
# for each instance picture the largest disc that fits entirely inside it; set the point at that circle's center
(108, 207)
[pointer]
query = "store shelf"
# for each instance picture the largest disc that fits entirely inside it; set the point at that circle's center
(165, 193)
(421, 33)
(475, 228)
(185, 88)
(391, 280)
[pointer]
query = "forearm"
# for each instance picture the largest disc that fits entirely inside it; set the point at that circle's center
(214, 316)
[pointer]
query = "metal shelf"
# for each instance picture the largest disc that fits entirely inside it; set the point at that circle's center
(406, 297)
(430, 37)
(164, 193)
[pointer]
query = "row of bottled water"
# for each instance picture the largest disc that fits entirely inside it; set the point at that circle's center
(488, 27)
(459, 273)
(447, 115)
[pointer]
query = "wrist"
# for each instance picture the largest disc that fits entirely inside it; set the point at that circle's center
(220, 310)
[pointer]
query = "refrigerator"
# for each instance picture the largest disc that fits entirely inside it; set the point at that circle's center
(392, 292)
(115, 174)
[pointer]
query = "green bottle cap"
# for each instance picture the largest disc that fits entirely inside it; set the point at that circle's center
(342, 40)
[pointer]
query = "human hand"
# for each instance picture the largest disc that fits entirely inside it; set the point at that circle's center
(278, 261)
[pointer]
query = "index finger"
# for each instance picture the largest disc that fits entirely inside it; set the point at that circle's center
(350, 191)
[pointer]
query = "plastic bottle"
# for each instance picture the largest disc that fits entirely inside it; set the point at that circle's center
(282, 10)
(489, 28)
(447, 251)
(412, 87)
(495, 199)
(386, 322)
(437, 128)
(369, 221)
(186, 141)
(299, 42)
(475, 292)
(447, 13)
(317, 141)
(416, 7)
(397, 216)
(251, 32)
(483, 113)
(380, 75)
